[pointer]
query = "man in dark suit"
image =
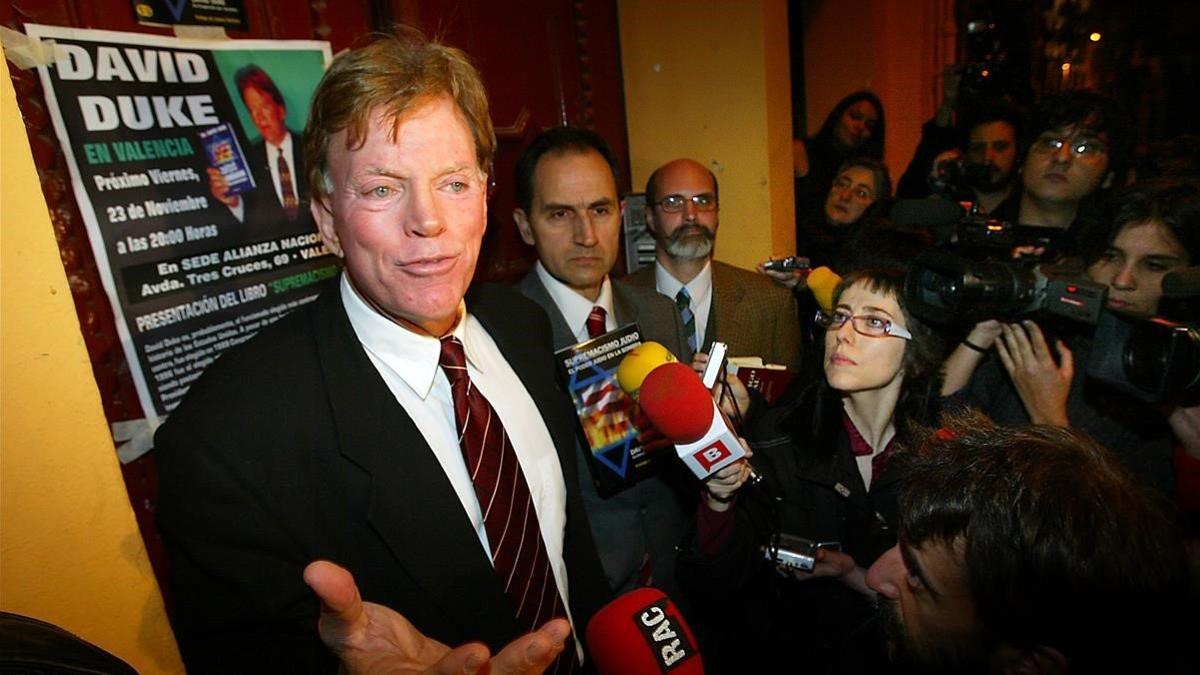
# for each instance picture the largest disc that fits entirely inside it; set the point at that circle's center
(418, 440)
(569, 210)
(718, 301)
(279, 202)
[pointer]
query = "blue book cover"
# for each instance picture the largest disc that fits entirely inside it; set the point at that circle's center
(225, 154)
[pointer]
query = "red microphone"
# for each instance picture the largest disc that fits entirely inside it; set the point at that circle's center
(642, 633)
(682, 409)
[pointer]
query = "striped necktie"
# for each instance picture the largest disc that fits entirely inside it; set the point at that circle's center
(291, 206)
(596, 322)
(683, 301)
(514, 537)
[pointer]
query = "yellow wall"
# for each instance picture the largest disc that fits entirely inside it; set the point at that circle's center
(70, 551)
(709, 80)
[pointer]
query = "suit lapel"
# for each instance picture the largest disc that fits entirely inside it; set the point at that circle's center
(412, 506)
(625, 309)
(533, 288)
(726, 298)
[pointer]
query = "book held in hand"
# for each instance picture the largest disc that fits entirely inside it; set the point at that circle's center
(225, 155)
(606, 414)
(768, 379)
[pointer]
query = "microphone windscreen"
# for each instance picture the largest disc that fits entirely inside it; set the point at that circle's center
(642, 633)
(822, 282)
(638, 363)
(677, 403)
(1182, 283)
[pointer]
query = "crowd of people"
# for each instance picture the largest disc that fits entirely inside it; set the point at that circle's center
(409, 490)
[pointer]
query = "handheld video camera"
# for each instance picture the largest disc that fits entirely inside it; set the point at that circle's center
(945, 288)
(1152, 359)
(959, 226)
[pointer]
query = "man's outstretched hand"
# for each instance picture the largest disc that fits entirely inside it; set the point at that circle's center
(371, 638)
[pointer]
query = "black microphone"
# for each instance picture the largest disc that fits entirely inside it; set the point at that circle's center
(930, 212)
(1182, 283)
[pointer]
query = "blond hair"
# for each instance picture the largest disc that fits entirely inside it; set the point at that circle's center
(394, 74)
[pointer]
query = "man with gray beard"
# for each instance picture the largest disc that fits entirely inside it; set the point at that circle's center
(717, 302)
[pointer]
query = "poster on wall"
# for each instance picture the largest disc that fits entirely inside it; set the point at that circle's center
(186, 159)
(223, 13)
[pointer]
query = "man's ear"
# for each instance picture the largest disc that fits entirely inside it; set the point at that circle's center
(522, 221)
(1036, 661)
(650, 224)
(325, 227)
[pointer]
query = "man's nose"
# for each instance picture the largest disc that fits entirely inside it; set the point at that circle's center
(689, 209)
(422, 217)
(585, 231)
(886, 574)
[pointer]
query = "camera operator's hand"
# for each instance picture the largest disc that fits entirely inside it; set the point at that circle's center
(721, 487)
(1185, 423)
(938, 168)
(791, 279)
(966, 357)
(1042, 384)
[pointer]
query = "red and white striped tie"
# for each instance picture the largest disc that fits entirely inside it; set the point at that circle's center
(595, 322)
(517, 550)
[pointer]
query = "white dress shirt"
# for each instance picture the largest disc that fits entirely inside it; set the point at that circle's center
(408, 363)
(574, 307)
(700, 289)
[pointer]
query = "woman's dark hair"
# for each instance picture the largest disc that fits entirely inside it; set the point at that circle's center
(1174, 202)
(874, 146)
(923, 354)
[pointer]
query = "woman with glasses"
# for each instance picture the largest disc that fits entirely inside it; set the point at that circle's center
(830, 467)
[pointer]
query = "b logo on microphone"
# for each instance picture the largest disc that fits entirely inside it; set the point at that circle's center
(712, 454)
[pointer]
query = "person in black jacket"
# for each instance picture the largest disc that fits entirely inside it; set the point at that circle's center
(829, 471)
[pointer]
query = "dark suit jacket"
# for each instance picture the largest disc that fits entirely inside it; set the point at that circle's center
(749, 313)
(292, 448)
(264, 216)
(649, 518)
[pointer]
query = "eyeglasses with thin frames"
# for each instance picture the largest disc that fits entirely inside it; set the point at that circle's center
(863, 324)
(705, 201)
(1081, 146)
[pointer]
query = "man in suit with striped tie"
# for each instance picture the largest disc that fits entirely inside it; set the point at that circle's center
(570, 211)
(408, 431)
(717, 301)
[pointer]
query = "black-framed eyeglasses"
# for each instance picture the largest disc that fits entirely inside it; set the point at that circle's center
(705, 201)
(1081, 146)
(863, 324)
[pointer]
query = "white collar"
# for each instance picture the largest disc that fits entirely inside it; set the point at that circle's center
(412, 356)
(699, 288)
(574, 307)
